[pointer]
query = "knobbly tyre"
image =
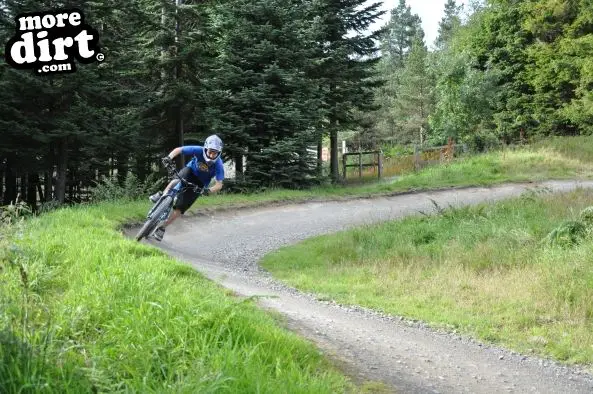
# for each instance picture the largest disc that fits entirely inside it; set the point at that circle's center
(161, 210)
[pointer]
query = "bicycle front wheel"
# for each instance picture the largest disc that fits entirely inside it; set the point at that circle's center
(155, 218)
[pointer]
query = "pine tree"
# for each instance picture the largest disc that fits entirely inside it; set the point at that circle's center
(559, 69)
(397, 41)
(416, 97)
(400, 31)
(346, 64)
(268, 108)
(76, 124)
(178, 61)
(449, 23)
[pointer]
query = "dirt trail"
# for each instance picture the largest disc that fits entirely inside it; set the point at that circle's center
(407, 356)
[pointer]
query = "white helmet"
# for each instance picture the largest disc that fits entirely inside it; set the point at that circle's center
(215, 143)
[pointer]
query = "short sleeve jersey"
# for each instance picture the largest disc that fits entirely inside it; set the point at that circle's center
(204, 171)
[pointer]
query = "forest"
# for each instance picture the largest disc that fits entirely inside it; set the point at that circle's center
(278, 80)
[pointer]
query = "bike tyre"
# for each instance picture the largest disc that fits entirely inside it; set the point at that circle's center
(153, 221)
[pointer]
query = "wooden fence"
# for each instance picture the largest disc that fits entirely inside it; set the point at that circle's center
(379, 166)
(376, 163)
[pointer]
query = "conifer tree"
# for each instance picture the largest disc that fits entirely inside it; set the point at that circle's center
(267, 106)
(396, 44)
(449, 23)
(416, 94)
(346, 59)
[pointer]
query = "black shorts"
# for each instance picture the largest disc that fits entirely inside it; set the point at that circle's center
(187, 196)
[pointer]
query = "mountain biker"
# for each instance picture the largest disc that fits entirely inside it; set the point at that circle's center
(205, 165)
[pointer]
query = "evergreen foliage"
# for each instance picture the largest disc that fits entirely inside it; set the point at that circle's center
(277, 79)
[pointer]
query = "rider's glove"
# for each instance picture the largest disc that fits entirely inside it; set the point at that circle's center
(167, 161)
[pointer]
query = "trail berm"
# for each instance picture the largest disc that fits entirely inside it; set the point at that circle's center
(407, 356)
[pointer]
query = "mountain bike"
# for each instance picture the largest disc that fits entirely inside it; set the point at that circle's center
(160, 211)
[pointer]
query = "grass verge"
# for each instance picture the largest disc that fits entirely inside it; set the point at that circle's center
(563, 160)
(85, 310)
(485, 271)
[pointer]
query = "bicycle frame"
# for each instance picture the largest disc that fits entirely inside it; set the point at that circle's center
(173, 192)
(163, 211)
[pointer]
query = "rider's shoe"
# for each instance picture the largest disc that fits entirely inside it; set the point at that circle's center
(155, 197)
(159, 233)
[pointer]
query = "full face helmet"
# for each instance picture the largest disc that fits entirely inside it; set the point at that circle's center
(212, 148)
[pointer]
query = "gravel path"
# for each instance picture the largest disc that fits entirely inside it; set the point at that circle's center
(406, 355)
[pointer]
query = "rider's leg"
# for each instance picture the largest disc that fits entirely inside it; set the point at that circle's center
(174, 215)
(155, 197)
(160, 231)
(170, 185)
(184, 200)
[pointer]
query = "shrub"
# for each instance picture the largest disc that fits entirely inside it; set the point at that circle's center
(131, 189)
(568, 234)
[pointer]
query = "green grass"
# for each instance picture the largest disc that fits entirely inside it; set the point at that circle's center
(578, 147)
(484, 271)
(539, 162)
(96, 311)
(84, 309)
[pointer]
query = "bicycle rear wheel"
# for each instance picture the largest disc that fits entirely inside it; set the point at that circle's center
(155, 218)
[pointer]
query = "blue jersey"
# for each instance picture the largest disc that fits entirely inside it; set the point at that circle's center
(205, 172)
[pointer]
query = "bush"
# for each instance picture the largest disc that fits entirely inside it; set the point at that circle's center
(586, 216)
(132, 188)
(397, 150)
(571, 233)
(9, 214)
(567, 234)
(482, 142)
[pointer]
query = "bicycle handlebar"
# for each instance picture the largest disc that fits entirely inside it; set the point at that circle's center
(172, 169)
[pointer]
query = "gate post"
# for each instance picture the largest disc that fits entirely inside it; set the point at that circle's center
(360, 164)
(380, 163)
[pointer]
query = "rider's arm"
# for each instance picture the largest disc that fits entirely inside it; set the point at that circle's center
(173, 154)
(219, 177)
(216, 187)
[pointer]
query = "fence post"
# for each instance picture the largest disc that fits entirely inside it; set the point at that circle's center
(380, 163)
(416, 158)
(360, 164)
(344, 160)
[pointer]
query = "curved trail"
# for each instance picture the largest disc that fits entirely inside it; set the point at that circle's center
(407, 356)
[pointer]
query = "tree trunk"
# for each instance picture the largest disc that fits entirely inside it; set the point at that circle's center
(40, 191)
(71, 190)
(320, 157)
(1, 181)
(333, 140)
(141, 166)
(60, 193)
(49, 173)
(47, 184)
(10, 179)
(32, 190)
(122, 167)
(179, 134)
(23, 187)
(178, 75)
(238, 159)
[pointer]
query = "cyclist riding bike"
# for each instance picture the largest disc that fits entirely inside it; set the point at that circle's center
(205, 165)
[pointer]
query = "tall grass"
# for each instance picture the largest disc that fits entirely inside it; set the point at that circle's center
(526, 164)
(98, 312)
(489, 271)
(577, 147)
